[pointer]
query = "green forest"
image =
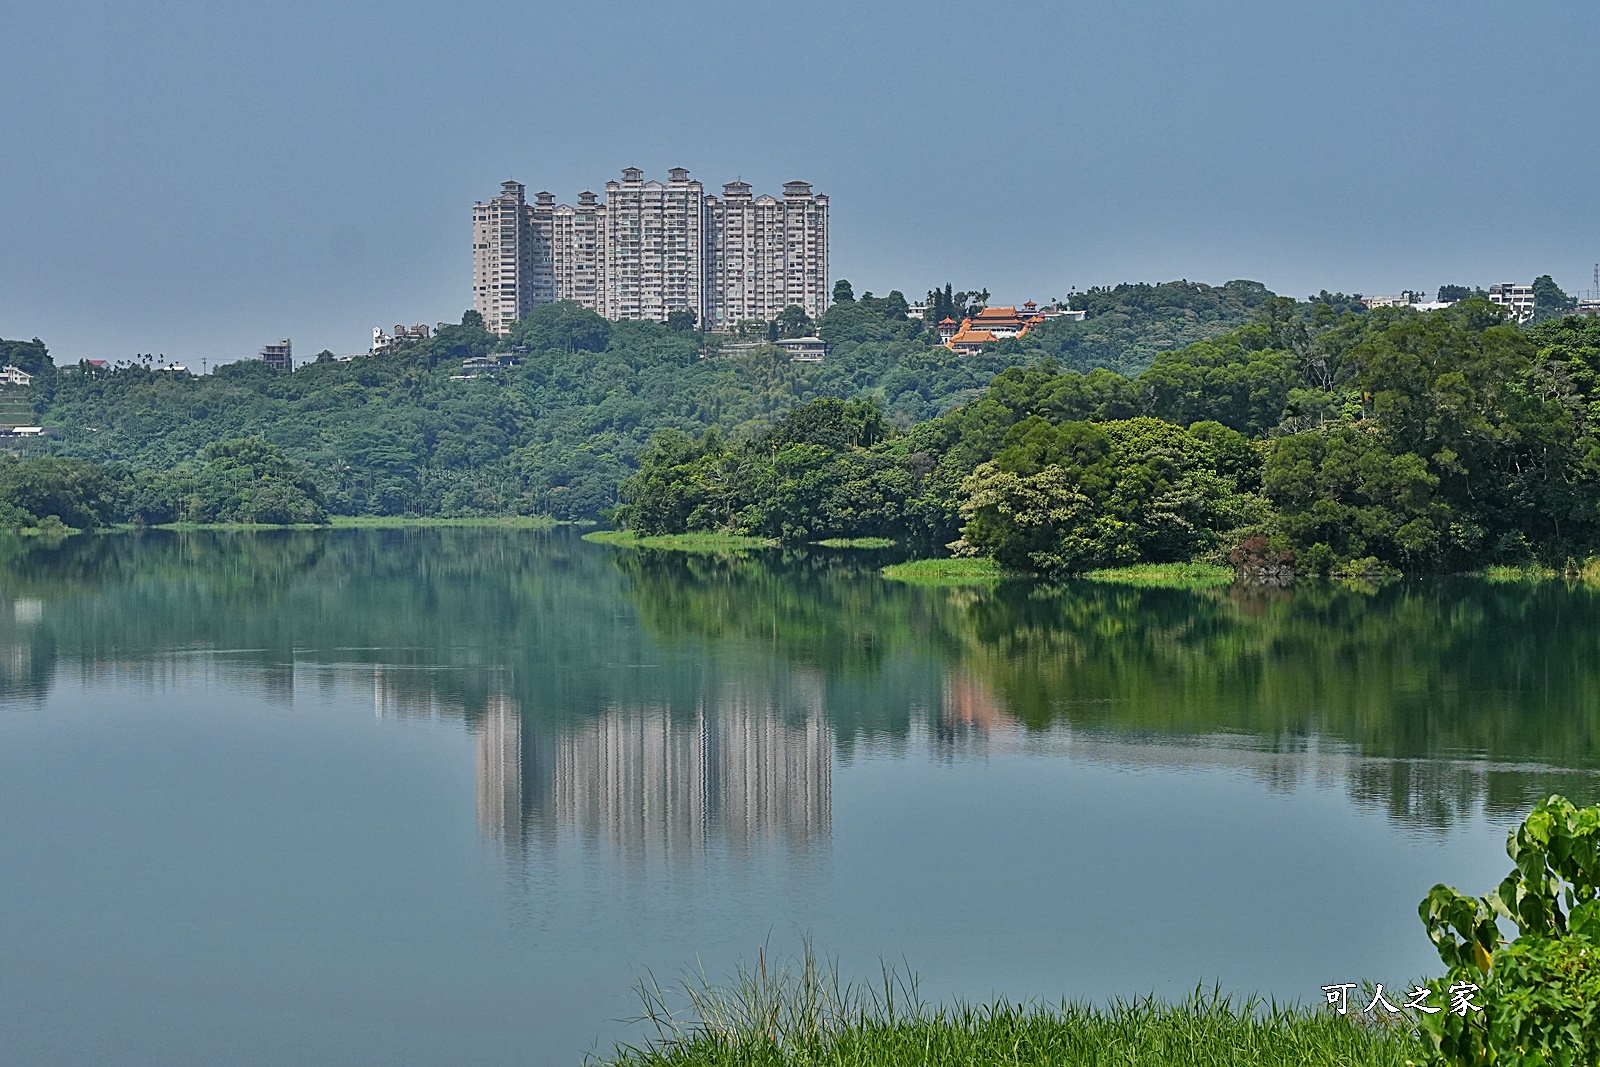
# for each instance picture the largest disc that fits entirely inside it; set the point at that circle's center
(1176, 422)
(1335, 442)
(403, 433)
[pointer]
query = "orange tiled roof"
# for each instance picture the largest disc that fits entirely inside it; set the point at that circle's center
(969, 335)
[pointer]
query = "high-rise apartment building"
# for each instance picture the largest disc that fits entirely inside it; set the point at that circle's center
(765, 254)
(506, 259)
(653, 248)
(577, 247)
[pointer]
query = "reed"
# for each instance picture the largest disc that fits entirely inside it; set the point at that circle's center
(688, 542)
(800, 1014)
(961, 570)
(1166, 575)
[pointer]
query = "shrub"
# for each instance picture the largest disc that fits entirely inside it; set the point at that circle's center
(1539, 994)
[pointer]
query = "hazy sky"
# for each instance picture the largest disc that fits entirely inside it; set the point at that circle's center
(198, 179)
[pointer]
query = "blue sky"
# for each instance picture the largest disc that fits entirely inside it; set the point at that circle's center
(198, 179)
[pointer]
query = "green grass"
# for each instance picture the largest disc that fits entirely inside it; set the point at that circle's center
(519, 522)
(1587, 572)
(788, 1017)
(963, 570)
(857, 542)
(1166, 575)
(972, 571)
(690, 542)
(366, 522)
(1528, 572)
(230, 526)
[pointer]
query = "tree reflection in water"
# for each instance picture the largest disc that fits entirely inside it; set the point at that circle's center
(662, 703)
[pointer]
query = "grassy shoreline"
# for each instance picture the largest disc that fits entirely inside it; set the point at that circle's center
(1165, 575)
(516, 522)
(1139, 1034)
(365, 522)
(689, 542)
(959, 570)
(982, 571)
(798, 1013)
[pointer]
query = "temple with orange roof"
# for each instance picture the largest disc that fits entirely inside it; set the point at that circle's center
(990, 324)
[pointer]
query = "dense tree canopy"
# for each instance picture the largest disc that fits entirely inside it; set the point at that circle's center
(405, 432)
(1366, 440)
(1343, 436)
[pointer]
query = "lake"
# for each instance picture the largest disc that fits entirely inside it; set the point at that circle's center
(427, 796)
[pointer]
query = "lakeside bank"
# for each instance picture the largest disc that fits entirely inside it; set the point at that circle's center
(804, 1016)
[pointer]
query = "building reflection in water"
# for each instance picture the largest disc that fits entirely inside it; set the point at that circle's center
(752, 762)
(500, 770)
(658, 785)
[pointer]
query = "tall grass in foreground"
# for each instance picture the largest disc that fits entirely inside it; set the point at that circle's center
(802, 1017)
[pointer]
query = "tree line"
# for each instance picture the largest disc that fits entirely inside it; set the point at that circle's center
(240, 481)
(1176, 421)
(404, 433)
(1354, 441)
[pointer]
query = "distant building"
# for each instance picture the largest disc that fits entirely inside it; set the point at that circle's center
(1518, 298)
(1062, 313)
(578, 252)
(479, 366)
(278, 355)
(504, 258)
(1407, 298)
(765, 254)
(653, 248)
(493, 361)
(14, 376)
(382, 341)
(804, 349)
(735, 348)
(173, 368)
(989, 324)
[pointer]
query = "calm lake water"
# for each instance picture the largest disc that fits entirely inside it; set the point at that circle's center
(442, 796)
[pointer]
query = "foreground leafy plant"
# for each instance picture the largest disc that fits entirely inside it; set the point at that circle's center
(1540, 993)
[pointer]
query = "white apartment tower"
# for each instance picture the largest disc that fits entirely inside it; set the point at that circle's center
(655, 246)
(765, 254)
(577, 246)
(504, 258)
(650, 249)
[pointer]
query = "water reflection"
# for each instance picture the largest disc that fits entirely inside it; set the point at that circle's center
(657, 786)
(662, 705)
